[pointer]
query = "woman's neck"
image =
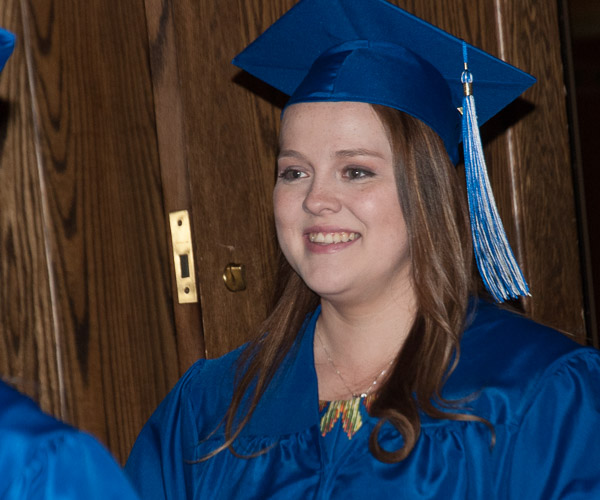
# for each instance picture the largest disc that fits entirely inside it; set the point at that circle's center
(359, 342)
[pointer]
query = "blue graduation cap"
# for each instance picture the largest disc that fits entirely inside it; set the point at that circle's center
(372, 51)
(7, 44)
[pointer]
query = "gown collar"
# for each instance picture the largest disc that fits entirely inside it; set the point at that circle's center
(291, 402)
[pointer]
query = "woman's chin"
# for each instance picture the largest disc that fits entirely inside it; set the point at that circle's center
(328, 289)
(339, 292)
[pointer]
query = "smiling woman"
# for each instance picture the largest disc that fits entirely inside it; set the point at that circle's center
(380, 373)
(342, 186)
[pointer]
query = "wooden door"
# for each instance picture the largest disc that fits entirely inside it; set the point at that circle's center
(225, 129)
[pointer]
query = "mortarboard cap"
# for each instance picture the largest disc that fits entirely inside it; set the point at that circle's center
(341, 37)
(7, 44)
(372, 51)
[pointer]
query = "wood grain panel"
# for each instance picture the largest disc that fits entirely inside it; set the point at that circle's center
(231, 144)
(98, 154)
(581, 24)
(29, 358)
(545, 176)
(173, 160)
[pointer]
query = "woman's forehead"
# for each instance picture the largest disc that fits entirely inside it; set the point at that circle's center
(343, 118)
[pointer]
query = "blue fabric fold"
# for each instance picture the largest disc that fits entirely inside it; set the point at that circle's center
(368, 71)
(42, 458)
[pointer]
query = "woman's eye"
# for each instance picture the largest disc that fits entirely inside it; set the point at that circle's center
(291, 174)
(357, 173)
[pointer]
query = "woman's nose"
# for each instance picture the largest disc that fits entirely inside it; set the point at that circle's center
(322, 197)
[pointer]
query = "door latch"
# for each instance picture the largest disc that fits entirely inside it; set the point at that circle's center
(183, 257)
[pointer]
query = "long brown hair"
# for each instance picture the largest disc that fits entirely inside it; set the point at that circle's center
(434, 207)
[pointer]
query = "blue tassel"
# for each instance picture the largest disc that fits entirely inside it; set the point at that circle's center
(495, 260)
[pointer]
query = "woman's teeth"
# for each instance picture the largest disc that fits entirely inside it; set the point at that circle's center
(329, 238)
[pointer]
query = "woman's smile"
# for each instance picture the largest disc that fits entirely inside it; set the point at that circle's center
(329, 242)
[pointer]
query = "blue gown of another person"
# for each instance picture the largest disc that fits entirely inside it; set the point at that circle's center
(540, 391)
(44, 459)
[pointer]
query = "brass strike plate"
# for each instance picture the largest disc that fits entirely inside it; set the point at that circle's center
(183, 257)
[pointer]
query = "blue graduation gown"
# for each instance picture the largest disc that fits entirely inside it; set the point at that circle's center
(44, 459)
(540, 391)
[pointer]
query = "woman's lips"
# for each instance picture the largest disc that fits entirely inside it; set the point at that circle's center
(329, 241)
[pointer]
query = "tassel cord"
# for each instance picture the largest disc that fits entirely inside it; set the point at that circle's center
(495, 260)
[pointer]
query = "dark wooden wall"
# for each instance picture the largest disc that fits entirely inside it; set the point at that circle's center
(28, 352)
(585, 35)
(87, 325)
(113, 114)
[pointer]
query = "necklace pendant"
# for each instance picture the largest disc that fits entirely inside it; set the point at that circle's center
(364, 395)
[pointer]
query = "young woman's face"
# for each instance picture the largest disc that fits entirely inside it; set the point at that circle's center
(337, 213)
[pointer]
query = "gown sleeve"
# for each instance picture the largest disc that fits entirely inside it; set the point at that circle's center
(557, 446)
(156, 463)
(69, 465)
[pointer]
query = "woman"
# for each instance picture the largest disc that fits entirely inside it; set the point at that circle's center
(379, 374)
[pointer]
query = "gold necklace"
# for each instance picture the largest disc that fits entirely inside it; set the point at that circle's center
(339, 374)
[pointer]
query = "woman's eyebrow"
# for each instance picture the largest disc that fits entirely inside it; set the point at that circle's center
(350, 153)
(342, 153)
(290, 153)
